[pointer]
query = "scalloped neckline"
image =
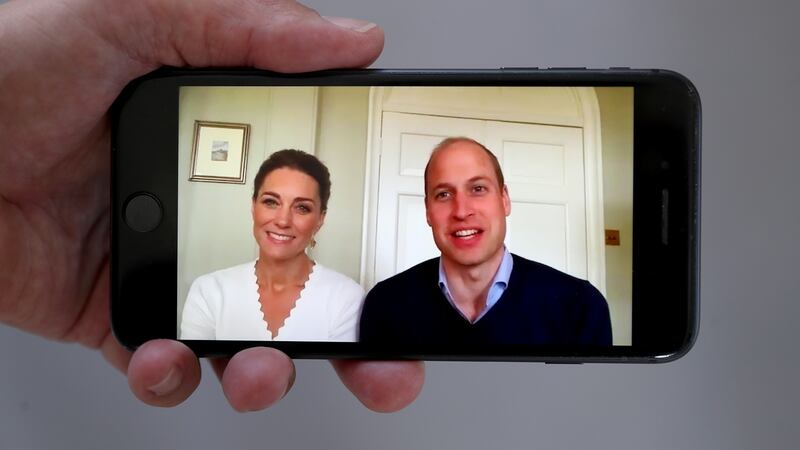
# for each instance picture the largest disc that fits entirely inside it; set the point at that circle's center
(291, 310)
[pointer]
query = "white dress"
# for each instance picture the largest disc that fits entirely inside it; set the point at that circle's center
(223, 305)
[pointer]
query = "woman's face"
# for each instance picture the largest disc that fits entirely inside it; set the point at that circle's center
(287, 213)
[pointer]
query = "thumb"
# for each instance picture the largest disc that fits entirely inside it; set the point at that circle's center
(87, 50)
(278, 35)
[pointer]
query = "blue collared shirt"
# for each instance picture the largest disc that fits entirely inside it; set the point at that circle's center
(498, 286)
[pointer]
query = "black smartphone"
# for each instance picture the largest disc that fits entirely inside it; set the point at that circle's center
(512, 214)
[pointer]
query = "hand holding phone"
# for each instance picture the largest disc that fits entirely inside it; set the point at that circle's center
(54, 191)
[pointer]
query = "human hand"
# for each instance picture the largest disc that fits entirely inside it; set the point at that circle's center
(64, 63)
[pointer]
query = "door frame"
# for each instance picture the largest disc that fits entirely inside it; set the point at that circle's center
(585, 97)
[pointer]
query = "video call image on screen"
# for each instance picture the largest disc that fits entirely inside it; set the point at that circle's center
(464, 215)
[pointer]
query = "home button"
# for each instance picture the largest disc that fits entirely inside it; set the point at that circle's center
(142, 212)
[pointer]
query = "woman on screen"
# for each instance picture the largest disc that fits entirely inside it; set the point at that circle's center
(283, 295)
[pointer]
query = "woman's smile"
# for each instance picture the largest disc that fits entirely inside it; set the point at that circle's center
(279, 237)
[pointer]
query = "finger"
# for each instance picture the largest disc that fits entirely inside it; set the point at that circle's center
(278, 35)
(117, 355)
(256, 378)
(382, 386)
(163, 372)
(219, 365)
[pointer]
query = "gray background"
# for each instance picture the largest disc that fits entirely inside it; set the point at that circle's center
(735, 390)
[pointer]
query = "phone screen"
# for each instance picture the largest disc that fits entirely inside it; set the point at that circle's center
(565, 156)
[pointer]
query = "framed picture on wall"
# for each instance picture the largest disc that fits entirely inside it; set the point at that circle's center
(219, 152)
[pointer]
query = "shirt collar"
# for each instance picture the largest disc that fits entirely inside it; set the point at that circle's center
(496, 289)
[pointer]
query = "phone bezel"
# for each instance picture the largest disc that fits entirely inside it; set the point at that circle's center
(666, 159)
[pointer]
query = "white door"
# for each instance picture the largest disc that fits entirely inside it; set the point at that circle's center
(543, 169)
(543, 166)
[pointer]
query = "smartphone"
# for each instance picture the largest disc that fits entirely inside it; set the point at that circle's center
(513, 214)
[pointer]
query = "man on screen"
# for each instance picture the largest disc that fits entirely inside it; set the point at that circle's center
(478, 292)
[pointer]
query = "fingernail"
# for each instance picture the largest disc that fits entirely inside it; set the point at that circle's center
(168, 384)
(290, 383)
(362, 26)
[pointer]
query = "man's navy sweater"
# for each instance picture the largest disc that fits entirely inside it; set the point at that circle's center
(540, 306)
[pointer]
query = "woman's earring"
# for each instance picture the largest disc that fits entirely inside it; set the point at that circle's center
(312, 244)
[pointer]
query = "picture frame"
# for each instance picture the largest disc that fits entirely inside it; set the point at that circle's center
(219, 152)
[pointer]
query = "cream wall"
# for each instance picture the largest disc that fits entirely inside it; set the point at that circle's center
(342, 146)
(616, 127)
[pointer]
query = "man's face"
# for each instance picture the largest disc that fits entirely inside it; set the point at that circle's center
(465, 206)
